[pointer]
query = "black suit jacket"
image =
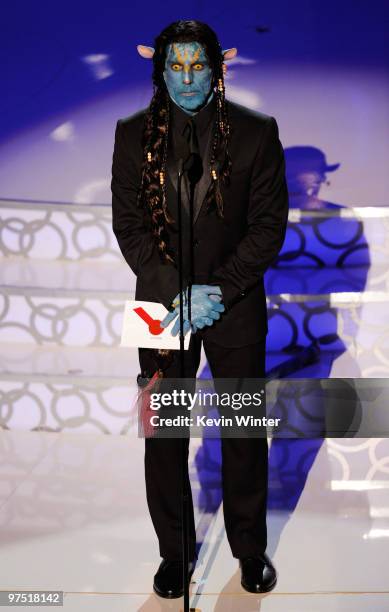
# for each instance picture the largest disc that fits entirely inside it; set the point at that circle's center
(233, 252)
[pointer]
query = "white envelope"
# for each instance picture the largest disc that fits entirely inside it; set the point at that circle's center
(137, 329)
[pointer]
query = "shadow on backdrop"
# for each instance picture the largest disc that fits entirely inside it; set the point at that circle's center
(327, 253)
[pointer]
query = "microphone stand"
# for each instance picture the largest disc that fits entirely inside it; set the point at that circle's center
(184, 488)
(182, 168)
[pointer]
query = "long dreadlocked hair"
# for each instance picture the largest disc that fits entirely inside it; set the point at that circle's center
(152, 192)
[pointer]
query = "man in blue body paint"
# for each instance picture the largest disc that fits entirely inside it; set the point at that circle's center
(239, 220)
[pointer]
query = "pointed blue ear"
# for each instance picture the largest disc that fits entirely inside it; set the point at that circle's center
(229, 53)
(146, 52)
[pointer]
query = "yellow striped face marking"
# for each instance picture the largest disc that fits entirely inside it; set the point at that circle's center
(188, 59)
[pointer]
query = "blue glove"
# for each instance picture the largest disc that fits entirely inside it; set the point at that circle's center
(205, 308)
(203, 321)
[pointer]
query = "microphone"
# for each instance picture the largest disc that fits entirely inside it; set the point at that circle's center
(188, 163)
(193, 166)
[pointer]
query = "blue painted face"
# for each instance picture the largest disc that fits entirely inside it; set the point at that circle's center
(188, 76)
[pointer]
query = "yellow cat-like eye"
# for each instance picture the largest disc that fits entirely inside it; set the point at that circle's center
(178, 67)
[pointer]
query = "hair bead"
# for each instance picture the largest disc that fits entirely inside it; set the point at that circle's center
(149, 156)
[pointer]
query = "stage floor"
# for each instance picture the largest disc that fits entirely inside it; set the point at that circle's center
(74, 518)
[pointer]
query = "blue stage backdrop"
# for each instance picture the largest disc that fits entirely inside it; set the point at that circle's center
(70, 70)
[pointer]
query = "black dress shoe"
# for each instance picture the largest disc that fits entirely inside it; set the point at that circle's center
(258, 574)
(168, 579)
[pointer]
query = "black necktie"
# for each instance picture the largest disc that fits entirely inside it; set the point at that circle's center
(191, 136)
(195, 171)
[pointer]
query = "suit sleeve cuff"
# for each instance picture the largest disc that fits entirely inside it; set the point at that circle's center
(230, 293)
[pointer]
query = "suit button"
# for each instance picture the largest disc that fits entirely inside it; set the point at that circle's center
(243, 293)
(195, 242)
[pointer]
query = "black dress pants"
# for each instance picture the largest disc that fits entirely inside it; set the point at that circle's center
(244, 461)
